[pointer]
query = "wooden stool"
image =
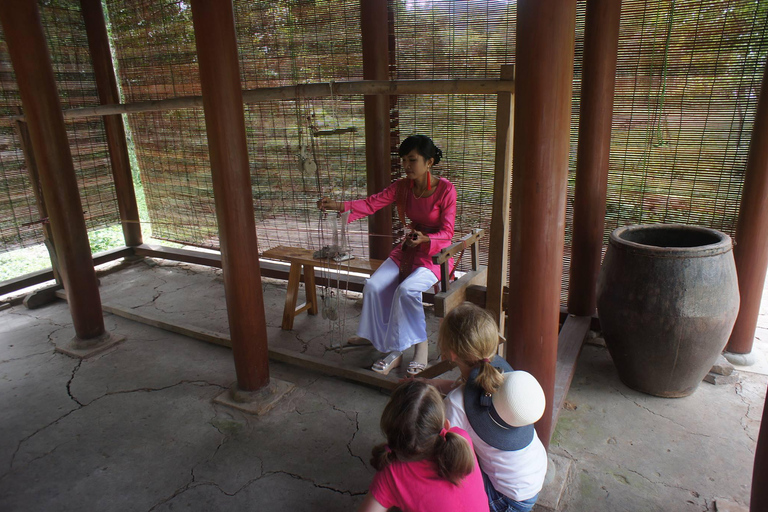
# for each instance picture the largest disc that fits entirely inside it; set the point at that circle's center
(302, 258)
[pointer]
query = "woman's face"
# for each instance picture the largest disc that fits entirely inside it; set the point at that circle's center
(415, 166)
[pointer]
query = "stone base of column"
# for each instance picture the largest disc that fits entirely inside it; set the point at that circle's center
(747, 359)
(83, 349)
(256, 402)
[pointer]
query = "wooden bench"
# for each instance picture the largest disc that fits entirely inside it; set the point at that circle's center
(450, 294)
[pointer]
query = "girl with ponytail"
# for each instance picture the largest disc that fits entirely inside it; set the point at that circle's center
(426, 465)
(497, 406)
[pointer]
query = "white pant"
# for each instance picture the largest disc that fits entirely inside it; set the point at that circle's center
(393, 314)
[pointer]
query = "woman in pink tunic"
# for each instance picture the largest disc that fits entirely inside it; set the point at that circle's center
(393, 314)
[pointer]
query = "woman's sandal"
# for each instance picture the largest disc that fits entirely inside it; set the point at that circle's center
(415, 368)
(386, 364)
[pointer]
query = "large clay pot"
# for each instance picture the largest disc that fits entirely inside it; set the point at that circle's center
(667, 301)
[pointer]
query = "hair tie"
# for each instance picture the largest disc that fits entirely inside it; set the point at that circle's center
(387, 448)
(443, 432)
(486, 360)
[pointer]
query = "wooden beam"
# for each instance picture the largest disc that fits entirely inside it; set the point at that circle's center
(22, 131)
(457, 292)
(466, 241)
(28, 50)
(106, 84)
(569, 343)
(543, 88)
(305, 361)
(601, 44)
(305, 91)
(216, 42)
(498, 245)
(41, 276)
(375, 40)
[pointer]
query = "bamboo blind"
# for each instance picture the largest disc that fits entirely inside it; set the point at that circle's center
(20, 223)
(688, 78)
(687, 82)
(446, 39)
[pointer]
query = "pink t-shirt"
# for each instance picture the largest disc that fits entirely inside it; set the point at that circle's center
(435, 215)
(415, 487)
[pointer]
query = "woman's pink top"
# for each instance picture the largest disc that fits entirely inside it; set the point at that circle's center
(415, 486)
(434, 216)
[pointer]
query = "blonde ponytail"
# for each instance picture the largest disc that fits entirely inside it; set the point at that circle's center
(470, 332)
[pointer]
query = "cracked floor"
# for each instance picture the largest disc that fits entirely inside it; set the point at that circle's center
(135, 428)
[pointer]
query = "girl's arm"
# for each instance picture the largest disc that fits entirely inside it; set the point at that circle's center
(364, 207)
(370, 504)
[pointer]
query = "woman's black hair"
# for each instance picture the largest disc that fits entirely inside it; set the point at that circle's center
(423, 146)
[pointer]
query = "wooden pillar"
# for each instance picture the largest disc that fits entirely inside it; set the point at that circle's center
(543, 83)
(758, 501)
(751, 248)
(39, 97)
(498, 245)
(601, 43)
(214, 23)
(375, 39)
(106, 83)
(22, 132)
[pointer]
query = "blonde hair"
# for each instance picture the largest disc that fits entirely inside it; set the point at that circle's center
(471, 334)
(413, 423)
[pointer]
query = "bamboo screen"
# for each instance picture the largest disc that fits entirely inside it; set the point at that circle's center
(446, 39)
(293, 156)
(687, 83)
(20, 222)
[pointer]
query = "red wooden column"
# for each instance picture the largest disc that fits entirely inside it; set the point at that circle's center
(98, 42)
(214, 23)
(751, 249)
(543, 77)
(373, 25)
(42, 109)
(601, 41)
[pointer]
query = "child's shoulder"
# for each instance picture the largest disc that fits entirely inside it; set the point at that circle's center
(455, 398)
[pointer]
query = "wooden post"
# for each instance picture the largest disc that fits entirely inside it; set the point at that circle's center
(214, 23)
(543, 83)
(601, 44)
(98, 42)
(498, 245)
(39, 97)
(22, 131)
(373, 25)
(751, 249)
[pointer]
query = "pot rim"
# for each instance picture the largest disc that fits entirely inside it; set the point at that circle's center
(724, 244)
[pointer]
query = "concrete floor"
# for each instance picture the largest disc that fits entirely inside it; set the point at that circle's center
(135, 428)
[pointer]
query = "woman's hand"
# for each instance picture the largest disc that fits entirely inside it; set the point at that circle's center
(415, 238)
(329, 204)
